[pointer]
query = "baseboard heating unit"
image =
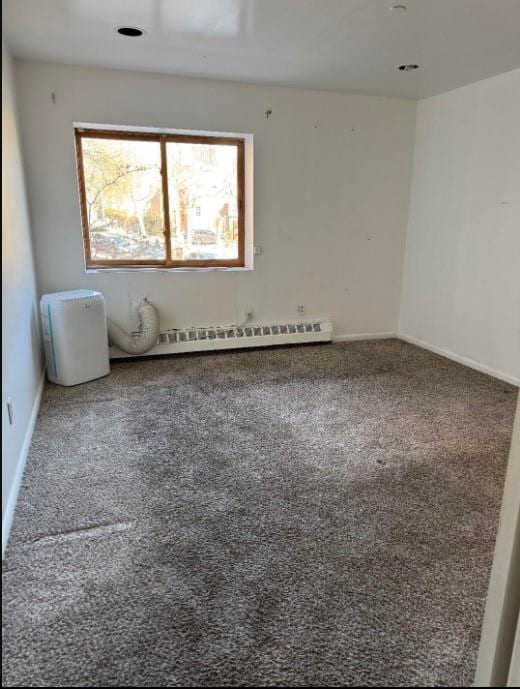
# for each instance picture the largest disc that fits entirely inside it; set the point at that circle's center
(235, 337)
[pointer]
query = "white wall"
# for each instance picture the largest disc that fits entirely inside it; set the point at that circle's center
(21, 362)
(499, 653)
(461, 283)
(332, 177)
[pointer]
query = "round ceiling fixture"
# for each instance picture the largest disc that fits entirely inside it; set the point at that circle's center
(407, 68)
(130, 31)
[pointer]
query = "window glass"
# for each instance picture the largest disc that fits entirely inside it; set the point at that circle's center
(153, 199)
(123, 193)
(202, 190)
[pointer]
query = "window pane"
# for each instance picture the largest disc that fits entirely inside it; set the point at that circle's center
(202, 188)
(124, 199)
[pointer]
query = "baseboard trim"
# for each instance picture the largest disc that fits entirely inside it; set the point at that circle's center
(22, 458)
(460, 359)
(363, 336)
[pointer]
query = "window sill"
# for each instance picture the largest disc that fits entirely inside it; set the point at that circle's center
(160, 269)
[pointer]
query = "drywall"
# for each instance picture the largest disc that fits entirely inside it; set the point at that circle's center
(332, 178)
(461, 281)
(498, 654)
(21, 361)
(513, 679)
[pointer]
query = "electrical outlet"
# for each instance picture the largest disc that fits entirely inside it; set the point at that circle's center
(301, 309)
(249, 315)
(10, 411)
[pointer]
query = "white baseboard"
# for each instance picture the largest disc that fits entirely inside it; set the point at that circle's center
(461, 359)
(13, 495)
(362, 336)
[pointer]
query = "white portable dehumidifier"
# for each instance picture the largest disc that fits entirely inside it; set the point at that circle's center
(75, 336)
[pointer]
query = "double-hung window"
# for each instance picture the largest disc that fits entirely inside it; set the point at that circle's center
(160, 200)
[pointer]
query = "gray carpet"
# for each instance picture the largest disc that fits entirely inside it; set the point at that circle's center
(320, 515)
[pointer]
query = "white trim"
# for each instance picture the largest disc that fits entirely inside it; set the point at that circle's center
(180, 269)
(461, 359)
(363, 336)
(22, 458)
(247, 136)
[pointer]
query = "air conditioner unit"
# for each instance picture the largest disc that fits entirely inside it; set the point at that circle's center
(75, 336)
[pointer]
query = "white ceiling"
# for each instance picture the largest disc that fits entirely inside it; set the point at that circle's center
(343, 45)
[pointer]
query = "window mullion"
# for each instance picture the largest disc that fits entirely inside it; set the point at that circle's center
(166, 202)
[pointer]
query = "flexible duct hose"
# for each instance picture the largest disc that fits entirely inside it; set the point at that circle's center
(145, 339)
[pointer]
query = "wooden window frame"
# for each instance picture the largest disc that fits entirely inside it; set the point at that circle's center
(162, 139)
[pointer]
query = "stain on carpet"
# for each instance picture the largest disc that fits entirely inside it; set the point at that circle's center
(307, 516)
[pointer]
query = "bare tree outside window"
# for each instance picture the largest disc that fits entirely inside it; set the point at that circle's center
(124, 199)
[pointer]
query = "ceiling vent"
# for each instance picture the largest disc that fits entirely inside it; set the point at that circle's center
(129, 31)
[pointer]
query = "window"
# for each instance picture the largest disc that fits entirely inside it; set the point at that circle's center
(160, 200)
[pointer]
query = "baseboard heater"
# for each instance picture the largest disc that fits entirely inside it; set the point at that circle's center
(235, 337)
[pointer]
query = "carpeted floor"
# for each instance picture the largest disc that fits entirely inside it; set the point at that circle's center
(320, 515)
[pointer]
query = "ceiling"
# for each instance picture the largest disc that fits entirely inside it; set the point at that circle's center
(342, 45)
